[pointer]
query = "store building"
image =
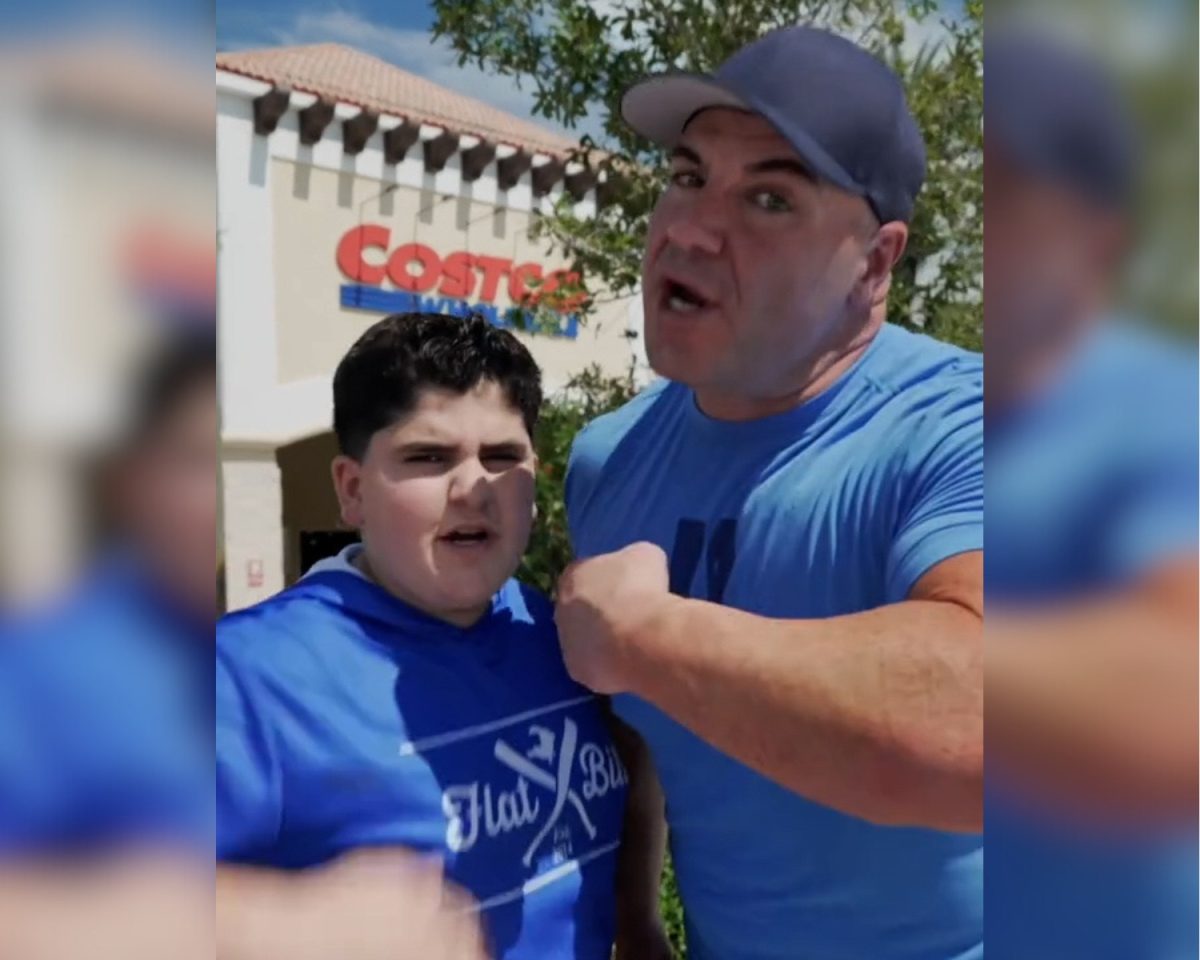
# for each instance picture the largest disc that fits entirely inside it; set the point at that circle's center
(349, 189)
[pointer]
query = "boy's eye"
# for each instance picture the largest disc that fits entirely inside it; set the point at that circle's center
(502, 458)
(423, 458)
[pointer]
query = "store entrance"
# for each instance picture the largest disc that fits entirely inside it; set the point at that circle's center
(316, 545)
(312, 527)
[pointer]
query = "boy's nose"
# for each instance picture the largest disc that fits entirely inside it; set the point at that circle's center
(469, 484)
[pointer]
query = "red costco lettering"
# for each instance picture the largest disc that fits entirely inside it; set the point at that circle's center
(418, 268)
(398, 264)
(350, 253)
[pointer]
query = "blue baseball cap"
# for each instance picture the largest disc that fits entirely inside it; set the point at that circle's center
(1055, 113)
(842, 110)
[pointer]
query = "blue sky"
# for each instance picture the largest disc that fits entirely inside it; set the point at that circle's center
(397, 32)
(242, 23)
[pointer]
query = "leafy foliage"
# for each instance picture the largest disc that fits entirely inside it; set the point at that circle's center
(586, 396)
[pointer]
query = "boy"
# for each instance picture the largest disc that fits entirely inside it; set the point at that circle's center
(409, 693)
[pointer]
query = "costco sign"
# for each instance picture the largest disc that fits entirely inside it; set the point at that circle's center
(421, 279)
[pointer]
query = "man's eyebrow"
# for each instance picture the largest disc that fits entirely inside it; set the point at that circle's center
(683, 152)
(771, 165)
(782, 165)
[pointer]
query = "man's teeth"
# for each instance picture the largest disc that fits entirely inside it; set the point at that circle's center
(682, 304)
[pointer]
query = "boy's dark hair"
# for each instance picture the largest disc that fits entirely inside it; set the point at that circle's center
(380, 378)
(179, 364)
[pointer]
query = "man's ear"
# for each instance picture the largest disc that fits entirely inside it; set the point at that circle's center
(885, 250)
(347, 484)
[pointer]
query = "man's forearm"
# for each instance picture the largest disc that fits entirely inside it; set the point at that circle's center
(1091, 704)
(877, 714)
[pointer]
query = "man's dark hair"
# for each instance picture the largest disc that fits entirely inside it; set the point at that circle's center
(380, 378)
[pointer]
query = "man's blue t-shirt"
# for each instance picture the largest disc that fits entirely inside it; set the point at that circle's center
(837, 506)
(347, 719)
(1091, 484)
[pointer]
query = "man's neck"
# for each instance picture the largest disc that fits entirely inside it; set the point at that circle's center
(738, 406)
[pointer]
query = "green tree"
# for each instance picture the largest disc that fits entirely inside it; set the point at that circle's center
(579, 56)
(586, 396)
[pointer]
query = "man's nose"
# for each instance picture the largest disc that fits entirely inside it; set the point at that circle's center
(698, 228)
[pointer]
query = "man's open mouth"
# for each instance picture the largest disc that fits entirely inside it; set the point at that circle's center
(682, 298)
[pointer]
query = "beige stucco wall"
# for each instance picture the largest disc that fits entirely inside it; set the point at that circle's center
(252, 507)
(314, 207)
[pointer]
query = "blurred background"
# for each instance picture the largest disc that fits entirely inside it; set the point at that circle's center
(119, 542)
(1090, 316)
(107, 479)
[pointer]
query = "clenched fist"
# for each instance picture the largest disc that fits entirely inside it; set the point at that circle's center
(605, 604)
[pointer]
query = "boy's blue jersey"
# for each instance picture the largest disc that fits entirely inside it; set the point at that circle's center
(347, 719)
(835, 507)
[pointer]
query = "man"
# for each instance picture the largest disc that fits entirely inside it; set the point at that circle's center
(783, 583)
(1091, 527)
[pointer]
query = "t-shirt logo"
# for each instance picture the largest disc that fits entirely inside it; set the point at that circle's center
(543, 783)
(690, 536)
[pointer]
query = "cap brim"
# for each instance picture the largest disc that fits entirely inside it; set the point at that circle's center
(660, 107)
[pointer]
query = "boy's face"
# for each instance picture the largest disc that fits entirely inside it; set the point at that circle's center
(444, 499)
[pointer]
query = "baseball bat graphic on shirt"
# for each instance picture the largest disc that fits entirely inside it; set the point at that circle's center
(561, 786)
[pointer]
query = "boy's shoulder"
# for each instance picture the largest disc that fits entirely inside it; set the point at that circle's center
(307, 620)
(294, 624)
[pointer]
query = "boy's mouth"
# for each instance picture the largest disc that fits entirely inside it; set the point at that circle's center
(467, 536)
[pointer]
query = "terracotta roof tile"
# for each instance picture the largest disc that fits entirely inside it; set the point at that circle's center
(338, 72)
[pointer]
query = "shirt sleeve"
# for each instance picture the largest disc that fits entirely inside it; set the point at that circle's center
(248, 775)
(941, 510)
(583, 465)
